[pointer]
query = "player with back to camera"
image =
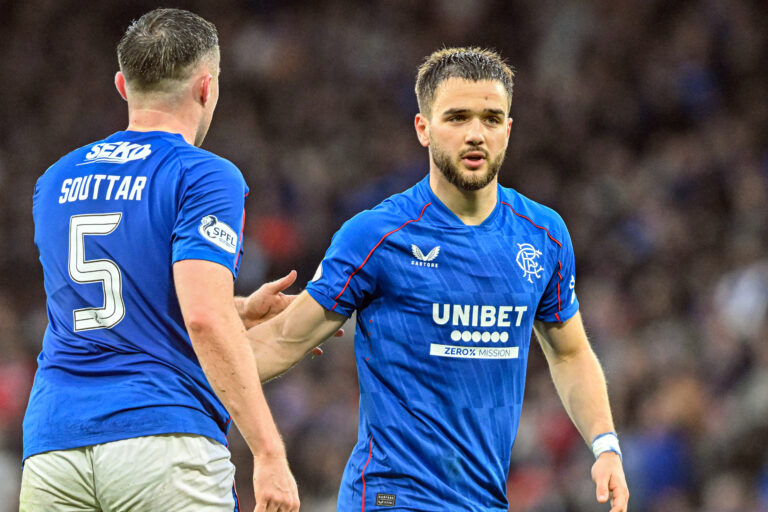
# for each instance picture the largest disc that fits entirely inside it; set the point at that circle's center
(140, 237)
(448, 279)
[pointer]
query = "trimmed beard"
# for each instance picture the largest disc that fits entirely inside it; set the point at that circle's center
(465, 181)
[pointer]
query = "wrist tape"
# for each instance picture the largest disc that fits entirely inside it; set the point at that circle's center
(608, 442)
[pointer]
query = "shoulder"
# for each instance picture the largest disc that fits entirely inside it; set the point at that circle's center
(390, 215)
(200, 162)
(74, 157)
(203, 172)
(533, 214)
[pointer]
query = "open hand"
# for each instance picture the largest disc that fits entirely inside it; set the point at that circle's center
(268, 301)
(608, 475)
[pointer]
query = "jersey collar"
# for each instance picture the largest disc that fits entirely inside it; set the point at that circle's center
(441, 214)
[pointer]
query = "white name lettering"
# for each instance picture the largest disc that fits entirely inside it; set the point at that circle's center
(79, 189)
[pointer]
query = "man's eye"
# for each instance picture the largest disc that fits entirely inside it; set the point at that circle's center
(456, 118)
(493, 120)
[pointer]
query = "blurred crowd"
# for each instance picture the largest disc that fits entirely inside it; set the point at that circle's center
(643, 122)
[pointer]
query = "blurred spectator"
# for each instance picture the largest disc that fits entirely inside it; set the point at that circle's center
(643, 122)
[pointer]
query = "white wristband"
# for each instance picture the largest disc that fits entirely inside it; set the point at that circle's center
(608, 442)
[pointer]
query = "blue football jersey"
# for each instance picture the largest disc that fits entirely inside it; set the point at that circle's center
(444, 319)
(111, 218)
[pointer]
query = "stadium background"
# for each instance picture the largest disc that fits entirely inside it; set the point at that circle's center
(643, 122)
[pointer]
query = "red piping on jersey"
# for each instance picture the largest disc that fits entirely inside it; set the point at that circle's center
(558, 291)
(370, 452)
(242, 229)
(559, 308)
(226, 440)
(369, 254)
(529, 220)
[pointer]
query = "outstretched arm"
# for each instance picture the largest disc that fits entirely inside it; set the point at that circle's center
(205, 292)
(580, 382)
(281, 342)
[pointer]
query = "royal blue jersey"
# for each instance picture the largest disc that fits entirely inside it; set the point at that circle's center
(111, 218)
(444, 319)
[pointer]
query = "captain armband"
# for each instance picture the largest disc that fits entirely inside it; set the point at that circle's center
(608, 442)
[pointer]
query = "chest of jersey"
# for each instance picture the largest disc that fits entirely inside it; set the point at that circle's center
(454, 309)
(481, 280)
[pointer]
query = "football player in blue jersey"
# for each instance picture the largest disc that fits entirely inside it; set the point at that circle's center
(448, 280)
(140, 238)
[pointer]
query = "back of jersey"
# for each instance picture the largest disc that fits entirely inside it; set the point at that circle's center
(111, 218)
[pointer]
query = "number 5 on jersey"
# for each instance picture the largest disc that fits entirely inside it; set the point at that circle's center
(94, 271)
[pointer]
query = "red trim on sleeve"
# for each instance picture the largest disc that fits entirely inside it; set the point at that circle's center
(370, 453)
(371, 252)
(559, 307)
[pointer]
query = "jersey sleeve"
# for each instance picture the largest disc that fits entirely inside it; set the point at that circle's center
(347, 274)
(559, 302)
(211, 215)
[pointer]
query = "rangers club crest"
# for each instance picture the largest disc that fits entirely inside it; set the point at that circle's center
(527, 260)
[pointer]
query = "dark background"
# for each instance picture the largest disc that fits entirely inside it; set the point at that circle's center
(643, 122)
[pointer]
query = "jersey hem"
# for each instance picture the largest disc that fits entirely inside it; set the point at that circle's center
(561, 316)
(205, 256)
(104, 438)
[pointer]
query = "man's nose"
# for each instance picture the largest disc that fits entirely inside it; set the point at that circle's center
(475, 133)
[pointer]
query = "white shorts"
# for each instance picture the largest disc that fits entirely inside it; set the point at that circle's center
(169, 473)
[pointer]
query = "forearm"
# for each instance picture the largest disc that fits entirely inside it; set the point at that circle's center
(580, 382)
(240, 307)
(275, 353)
(581, 385)
(284, 340)
(231, 369)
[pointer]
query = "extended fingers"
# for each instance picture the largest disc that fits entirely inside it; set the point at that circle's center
(619, 506)
(601, 489)
(601, 477)
(282, 283)
(619, 494)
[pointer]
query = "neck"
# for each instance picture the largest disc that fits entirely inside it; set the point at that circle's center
(472, 207)
(148, 119)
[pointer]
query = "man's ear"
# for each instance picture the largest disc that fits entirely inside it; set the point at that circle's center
(205, 88)
(120, 85)
(422, 129)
